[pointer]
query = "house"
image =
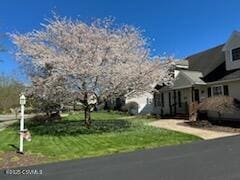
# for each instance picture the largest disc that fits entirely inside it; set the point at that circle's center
(142, 102)
(212, 72)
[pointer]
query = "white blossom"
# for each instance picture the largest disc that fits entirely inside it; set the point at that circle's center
(69, 56)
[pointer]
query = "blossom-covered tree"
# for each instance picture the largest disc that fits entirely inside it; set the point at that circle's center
(72, 59)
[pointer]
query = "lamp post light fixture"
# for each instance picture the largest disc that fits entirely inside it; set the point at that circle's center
(22, 130)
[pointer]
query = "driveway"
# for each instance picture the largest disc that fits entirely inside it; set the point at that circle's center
(217, 159)
(177, 125)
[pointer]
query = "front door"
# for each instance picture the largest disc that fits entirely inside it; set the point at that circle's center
(196, 95)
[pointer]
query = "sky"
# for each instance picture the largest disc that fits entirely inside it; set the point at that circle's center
(174, 27)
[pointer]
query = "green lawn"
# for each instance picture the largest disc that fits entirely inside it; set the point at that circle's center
(110, 133)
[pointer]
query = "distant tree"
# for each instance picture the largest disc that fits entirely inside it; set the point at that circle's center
(220, 104)
(100, 60)
(10, 90)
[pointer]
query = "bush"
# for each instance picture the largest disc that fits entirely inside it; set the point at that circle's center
(39, 119)
(30, 110)
(130, 107)
(220, 104)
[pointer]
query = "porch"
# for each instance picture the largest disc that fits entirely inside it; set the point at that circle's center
(181, 99)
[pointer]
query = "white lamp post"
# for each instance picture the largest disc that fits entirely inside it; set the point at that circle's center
(22, 131)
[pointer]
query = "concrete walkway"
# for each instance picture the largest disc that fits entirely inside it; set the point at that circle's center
(177, 125)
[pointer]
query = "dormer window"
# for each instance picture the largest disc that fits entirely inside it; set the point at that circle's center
(236, 54)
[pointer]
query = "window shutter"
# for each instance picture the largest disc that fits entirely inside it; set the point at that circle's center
(154, 99)
(179, 99)
(225, 90)
(209, 92)
(162, 97)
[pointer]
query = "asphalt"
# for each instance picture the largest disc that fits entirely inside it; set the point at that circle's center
(9, 117)
(217, 159)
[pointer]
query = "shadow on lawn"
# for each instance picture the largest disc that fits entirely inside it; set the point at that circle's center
(73, 127)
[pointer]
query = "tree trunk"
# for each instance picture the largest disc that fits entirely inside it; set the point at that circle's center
(87, 117)
(55, 114)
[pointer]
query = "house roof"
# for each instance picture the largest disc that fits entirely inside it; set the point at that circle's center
(185, 79)
(182, 62)
(212, 64)
(204, 67)
(221, 74)
(206, 61)
(234, 35)
(195, 77)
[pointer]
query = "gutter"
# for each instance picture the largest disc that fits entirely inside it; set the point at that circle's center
(223, 81)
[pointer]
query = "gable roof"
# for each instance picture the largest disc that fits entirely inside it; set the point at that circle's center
(194, 77)
(186, 79)
(181, 62)
(234, 35)
(207, 61)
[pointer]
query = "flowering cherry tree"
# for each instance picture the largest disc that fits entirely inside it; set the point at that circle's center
(69, 59)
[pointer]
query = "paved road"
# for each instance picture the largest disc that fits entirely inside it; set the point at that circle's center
(9, 117)
(217, 159)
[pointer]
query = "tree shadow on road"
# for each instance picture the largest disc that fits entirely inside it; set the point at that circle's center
(73, 127)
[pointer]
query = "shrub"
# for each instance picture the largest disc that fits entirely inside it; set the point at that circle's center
(130, 107)
(220, 104)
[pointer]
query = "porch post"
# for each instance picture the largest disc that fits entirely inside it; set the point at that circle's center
(192, 94)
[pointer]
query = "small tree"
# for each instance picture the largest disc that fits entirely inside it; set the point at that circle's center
(220, 104)
(100, 60)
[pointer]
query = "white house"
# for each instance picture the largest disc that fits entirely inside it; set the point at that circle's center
(212, 72)
(143, 101)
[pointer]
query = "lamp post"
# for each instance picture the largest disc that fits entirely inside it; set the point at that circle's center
(22, 131)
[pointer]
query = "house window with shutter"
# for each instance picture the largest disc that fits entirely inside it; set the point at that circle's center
(236, 54)
(217, 90)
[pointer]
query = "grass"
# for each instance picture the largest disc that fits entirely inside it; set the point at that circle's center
(110, 133)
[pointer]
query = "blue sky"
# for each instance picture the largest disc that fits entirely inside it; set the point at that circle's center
(180, 28)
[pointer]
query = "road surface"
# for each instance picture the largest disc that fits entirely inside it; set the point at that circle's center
(9, 117)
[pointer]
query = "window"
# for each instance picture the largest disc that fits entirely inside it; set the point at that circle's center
(236, 54)
(149, 101)
(217, 90)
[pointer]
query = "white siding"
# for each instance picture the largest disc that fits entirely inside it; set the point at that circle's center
(141, 100)
(234, 43)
